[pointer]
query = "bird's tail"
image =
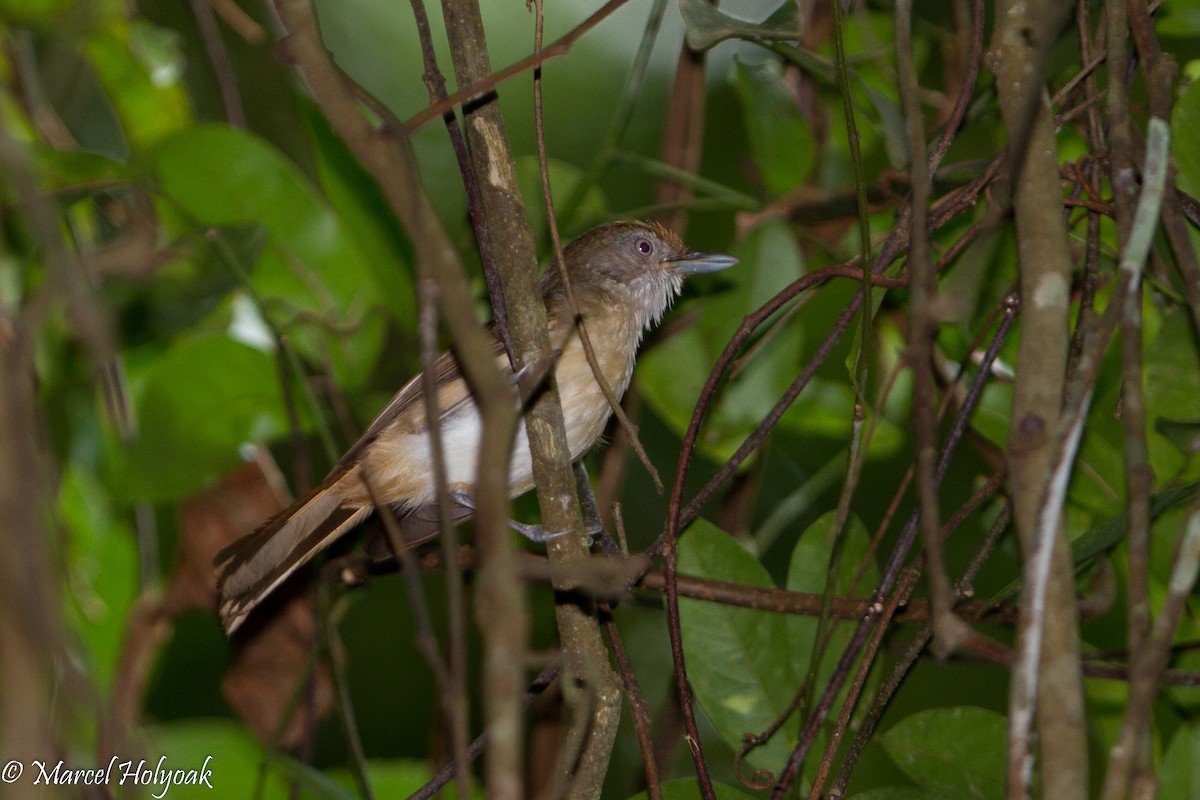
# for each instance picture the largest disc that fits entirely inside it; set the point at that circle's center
(250, 568)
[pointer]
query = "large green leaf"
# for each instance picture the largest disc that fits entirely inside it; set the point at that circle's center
(1180, 772)
(196, 404)
(809, 571)
(102, 561)
(236, 764)
(1185, 139)
(781, 142)
(956, 751)
(738, 658)
(141, 68)
(356, 198)
(399, 777)
(313, 278)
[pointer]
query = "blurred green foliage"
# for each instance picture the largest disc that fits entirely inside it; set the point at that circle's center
(274, 303)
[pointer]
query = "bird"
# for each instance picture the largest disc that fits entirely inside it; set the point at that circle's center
(623, 275)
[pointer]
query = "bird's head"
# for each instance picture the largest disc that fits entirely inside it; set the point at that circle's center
(641, 264)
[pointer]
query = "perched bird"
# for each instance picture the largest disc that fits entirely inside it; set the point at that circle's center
(623, 275)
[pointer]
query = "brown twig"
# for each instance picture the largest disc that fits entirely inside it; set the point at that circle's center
(595, 722)
(435, 84)
(481, 87)
(218, 57)
(637, 707)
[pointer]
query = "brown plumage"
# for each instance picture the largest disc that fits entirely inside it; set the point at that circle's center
(624, 277)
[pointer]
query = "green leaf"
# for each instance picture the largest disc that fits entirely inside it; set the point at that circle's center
(738, 658)
(899, 793)
(956, 751)
(1185, 138)
(809, 571)
(1177, 19)
(399, 777)
(68, 169)
(140, 67)
(706, 26)
(315, 783)
(1180, 772)
(824, 409)
(689, 789)
(27, 11)
(238, 765)
(196, 405)
(103, 570)
(780, 139)
(1105, 536)
(360, 205)
(312, 275)
(1172, 393)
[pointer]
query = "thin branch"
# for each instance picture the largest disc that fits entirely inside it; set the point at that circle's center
(481, 87)
(218, 57)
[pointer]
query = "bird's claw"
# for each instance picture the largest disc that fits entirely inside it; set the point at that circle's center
(534, 533)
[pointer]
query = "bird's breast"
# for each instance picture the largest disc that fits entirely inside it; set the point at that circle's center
(398, 462)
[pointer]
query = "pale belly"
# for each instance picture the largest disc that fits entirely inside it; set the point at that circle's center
(399, 465)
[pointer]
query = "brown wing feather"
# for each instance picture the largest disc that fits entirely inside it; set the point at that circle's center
(407, 407)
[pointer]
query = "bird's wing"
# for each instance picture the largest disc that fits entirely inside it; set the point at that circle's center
(406, 409)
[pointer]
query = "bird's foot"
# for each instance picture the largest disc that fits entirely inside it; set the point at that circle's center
(534, 533)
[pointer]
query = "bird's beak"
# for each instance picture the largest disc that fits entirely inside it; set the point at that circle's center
(698, 263)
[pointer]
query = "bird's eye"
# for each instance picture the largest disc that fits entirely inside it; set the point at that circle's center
(644, 247)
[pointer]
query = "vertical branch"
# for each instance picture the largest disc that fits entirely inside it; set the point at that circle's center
(435, 84)
(512, 249)
(1121, 173)
(1147, 669)
(683, 133)
(1024, 33)
(584, 657)
(1139, 479)
(456, 667)
(947, 627)
(637, 706)
(604, 716)
(1152, 650)
(38, 670)
(453, 688)
(30, 636)
(390, 159)
(218, 57)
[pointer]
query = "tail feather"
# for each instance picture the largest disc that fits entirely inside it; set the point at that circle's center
(250, 568)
